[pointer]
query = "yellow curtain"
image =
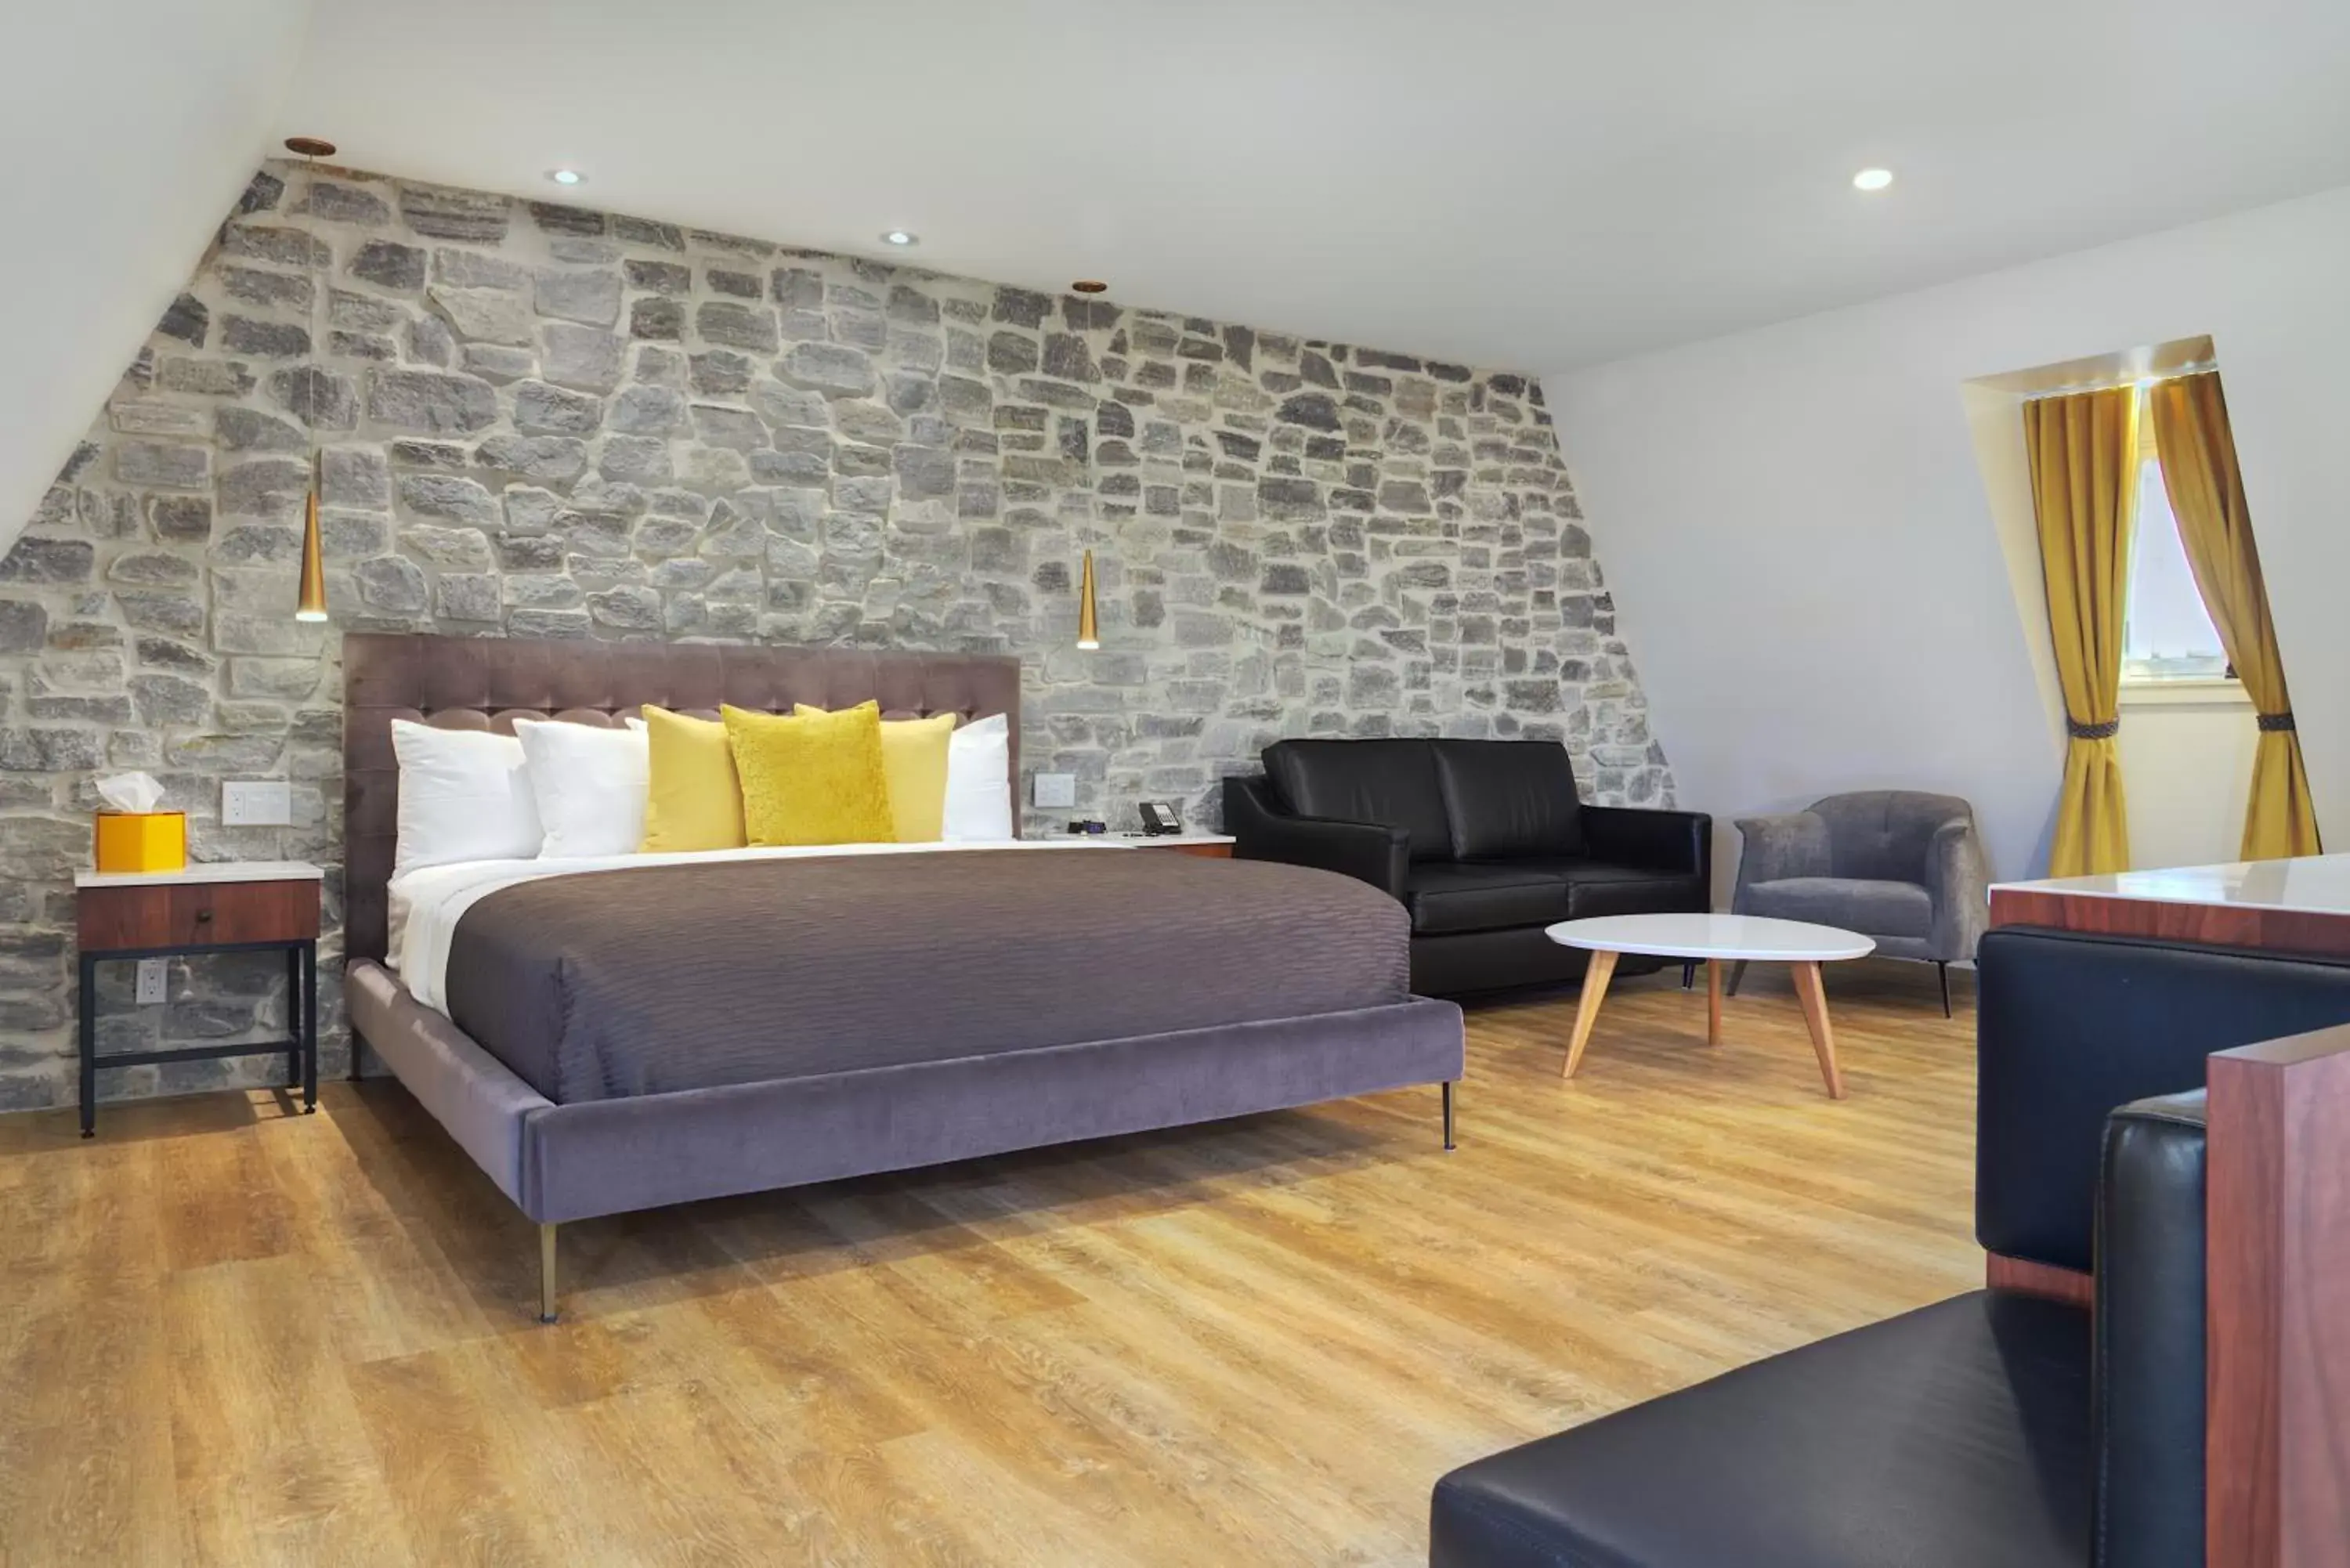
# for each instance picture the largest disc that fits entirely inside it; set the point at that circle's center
(2084, 455)
(2206, 495)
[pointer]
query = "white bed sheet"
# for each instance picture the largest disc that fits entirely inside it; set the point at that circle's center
(426, 904)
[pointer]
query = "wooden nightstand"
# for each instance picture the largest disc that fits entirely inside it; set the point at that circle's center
(1212, 846)
(231, 906)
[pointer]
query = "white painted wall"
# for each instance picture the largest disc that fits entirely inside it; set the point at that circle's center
(131, 127)
(1795, 523)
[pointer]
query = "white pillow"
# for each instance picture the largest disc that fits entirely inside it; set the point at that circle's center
(979, 781)
(590, 784)
(464, 795)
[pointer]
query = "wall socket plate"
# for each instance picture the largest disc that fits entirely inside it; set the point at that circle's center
(154, 982)
(1057, 789)
(257, 803)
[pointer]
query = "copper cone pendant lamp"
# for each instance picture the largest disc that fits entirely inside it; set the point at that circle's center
(311, 604)
(1088, 633)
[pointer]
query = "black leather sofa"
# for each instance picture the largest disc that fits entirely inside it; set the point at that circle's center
(1484, 842)
(1996, 1428)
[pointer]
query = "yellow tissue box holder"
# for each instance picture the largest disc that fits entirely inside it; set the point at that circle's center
(143, 841)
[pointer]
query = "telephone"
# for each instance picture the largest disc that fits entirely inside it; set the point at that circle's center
(1160, 819)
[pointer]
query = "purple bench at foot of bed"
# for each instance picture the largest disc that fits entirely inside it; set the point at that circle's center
(562, 1162)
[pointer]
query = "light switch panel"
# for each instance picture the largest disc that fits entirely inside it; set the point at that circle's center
(1057, 789)
(257, 803)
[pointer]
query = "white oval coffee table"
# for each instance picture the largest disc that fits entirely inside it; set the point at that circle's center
(1718, 939)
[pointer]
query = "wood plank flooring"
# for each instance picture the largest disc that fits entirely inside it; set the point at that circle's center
(230, 1334)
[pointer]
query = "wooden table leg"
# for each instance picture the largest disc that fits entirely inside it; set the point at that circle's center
(1713, 1001)
(1586, 1010)
(1815, 1015)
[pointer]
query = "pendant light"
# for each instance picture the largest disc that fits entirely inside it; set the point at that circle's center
(1088, 633)
(311, 603)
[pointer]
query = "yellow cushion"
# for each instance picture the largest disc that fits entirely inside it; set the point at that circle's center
(692, 801)
(914, 761)
(812, 779)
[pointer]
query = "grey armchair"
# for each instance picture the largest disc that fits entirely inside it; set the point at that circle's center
(1904, 869)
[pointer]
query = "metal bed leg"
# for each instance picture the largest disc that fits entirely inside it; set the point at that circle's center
(1448, 1115)
(546, 1273)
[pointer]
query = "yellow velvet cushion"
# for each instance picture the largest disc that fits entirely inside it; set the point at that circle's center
(914, 761)
(815, 778)
(692, 800)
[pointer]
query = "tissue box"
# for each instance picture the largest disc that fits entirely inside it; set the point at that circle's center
(143, 841)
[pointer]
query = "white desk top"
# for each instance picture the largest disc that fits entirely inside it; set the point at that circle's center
(2315, 884)
(205, 871)
(1755, 938)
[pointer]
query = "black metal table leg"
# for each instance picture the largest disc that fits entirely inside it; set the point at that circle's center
(88, 1045)
(309, 953)
(294, 1014)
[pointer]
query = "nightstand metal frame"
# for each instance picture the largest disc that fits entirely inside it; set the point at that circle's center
(301, 1005)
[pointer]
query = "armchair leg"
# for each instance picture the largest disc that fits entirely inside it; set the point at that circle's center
(1942, 969)
(1448, 1115)
(1688, 974)
(1737, 974)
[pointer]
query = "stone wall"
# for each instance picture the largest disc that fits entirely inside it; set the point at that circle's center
(544, 422)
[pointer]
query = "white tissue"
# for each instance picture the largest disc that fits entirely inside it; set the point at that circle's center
(131, 791)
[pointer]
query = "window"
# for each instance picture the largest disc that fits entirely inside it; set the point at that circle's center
(2167, 634)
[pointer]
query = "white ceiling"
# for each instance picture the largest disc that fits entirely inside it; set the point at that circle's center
(1544, 184)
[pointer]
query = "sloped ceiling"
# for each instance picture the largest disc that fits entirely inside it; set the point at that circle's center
(1530, 184)
(131, 126)
(1541, 186)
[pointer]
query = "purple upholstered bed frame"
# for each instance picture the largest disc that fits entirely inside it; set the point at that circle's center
(562, 1162)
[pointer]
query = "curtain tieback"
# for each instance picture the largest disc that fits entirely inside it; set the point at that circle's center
(2273, 723)
(2112, 726)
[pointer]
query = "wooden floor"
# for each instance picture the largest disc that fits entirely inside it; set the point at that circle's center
(232, 1335)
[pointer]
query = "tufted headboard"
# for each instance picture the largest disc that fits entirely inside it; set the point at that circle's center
(485, 683)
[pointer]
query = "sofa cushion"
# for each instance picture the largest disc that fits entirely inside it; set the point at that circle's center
(1507, 799)
(1445, 896)
(1953, 1437)
(1872, 909)
(1392, 783)
(1596, 888)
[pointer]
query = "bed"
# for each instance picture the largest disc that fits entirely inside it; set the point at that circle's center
(607, 1036)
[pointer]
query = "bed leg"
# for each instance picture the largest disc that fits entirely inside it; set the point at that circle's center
(1448, 1114)
(546, 1273)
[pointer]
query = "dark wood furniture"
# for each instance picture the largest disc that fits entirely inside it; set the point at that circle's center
(2280, 1276)
(2275, 907)
(1206, 847)
(2278, 905)
(245, 907)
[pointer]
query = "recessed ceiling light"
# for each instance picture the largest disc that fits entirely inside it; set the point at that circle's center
(567, 176)
(899, 238)
(1872, 180)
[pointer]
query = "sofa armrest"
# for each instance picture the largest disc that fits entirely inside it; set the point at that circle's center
(2147, 1373)
(1960, 884)
(1675, 841)
(1793, 844)
(1367, 851)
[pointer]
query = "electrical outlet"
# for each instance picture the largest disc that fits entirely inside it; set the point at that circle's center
(1057, 789)
(257, 803)
(154, 980)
